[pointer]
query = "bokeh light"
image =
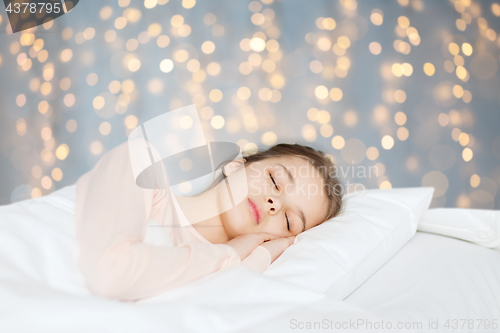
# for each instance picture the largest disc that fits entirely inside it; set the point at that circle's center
(410, 88)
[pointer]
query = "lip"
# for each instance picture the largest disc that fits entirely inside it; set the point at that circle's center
(255, 210)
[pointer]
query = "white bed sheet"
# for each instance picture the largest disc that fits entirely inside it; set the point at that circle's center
(433, 278)
(42, 289)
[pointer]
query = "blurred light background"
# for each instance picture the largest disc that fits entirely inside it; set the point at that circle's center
(410, 87)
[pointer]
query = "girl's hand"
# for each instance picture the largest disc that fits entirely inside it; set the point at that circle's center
(277, 246)
(245, 244)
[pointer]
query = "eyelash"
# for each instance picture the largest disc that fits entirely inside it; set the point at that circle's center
(286, 217)
(275, 185)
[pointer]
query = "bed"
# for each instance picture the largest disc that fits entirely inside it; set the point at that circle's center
(436, 278)
(430, 278)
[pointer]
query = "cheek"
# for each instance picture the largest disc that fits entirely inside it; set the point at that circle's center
(260, 186)
(254, 187)
(275, 227)
(235, 220)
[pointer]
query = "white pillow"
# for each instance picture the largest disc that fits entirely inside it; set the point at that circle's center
(38, 242)
(337, 256)
(478, 226)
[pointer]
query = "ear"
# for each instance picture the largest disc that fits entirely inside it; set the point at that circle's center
(233, 166)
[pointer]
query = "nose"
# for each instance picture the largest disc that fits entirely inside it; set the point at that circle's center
(273, 205)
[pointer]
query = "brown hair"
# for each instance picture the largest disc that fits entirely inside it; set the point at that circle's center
(324, 166)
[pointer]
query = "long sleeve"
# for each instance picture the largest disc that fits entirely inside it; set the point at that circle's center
(259, 260)
(112, 214)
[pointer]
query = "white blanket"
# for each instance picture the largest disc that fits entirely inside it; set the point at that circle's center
(42, 290)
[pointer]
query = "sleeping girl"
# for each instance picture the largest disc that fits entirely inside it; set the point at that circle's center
(113, 212)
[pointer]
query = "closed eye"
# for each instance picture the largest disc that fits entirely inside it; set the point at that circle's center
(275, 185)
(287, 222)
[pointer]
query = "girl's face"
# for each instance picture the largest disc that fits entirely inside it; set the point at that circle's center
(285, 197)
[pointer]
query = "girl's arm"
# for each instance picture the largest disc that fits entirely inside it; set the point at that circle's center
(112, 214)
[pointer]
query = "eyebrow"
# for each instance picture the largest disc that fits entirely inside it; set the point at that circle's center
(292, 181)
(303, 218)
(288, 173)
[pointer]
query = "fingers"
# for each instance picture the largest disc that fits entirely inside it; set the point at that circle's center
(267, 236)
(245, 244)
(278, 245)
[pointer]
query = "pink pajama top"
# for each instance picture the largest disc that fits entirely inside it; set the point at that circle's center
(112, 214)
